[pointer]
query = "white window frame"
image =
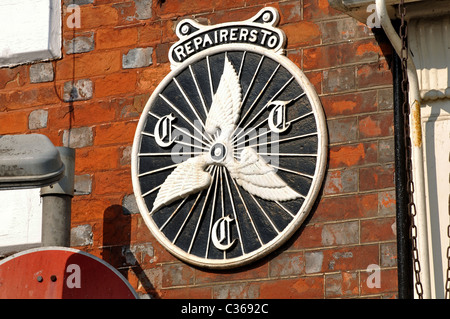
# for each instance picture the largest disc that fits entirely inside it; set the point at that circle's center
(30, 31)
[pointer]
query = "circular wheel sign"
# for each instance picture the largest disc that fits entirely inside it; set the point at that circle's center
(230, 151)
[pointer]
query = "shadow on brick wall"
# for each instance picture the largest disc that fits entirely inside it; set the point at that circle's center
(118, 250)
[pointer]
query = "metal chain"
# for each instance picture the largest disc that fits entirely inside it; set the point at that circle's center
(411, 206)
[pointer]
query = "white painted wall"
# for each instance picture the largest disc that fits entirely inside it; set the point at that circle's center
(20, 220)
(30, 31)
(436, 130)
(429, 40)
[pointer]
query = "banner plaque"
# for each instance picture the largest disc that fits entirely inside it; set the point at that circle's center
(230, 151)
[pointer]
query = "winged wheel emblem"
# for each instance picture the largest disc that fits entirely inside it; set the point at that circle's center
(251, 171)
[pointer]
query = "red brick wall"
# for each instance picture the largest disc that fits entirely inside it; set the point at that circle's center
(353, 223)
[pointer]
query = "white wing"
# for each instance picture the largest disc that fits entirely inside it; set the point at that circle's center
(187, 178)
(226, 102)
(259, 178)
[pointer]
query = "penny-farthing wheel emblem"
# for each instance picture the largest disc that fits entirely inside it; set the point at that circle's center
(229, 155)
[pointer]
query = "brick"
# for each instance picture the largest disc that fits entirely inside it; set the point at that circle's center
(82, 184)
(342, 30)
(38, 94)
(342, 284)
(81, 236)
(133, 11)
(149, 78)
(287, 264)
(177, 275)
(351, 155)
(290, 12)
(129, 205)
(376, 125)
(80, 44)
(319, 10)
(77, 2)
(125, 157)
(86, 113)
(13, 77)
(351, 103)
(94, 16)
(338, 80)
(340, 233)
(146, 281)
(257, 271)
(112, 182)
(143, 9)
(162, 53)
(135, 106)
(373, 74)
(346, 207)
(316, 80)
(350, 258)
(186, 293)
(377, 177)
(309, 35)
(380, 229)
(38, 119)
(116, 37)
(385, 99)
(78, 137)
(119, 132)
(342, 130)
(310, 237)
(364, 51)
(339, 182)
(138, 254)
(386, 150)
(115, 84)
(41, 72)
(388, 282)
(386, 203)
(170, 9)
(13, 122)
(388, 254)
(106, 158)
(114, 231)
(87, 209)
(244, 290)
(137, 58)
(295, 56)
(313, 262)
(78, 91)
(150, 33)
(297, 288)
(321, 57)
(88, 65)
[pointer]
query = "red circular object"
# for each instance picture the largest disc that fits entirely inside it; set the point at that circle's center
(61, 273)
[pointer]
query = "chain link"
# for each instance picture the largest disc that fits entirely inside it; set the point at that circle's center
(410, 183)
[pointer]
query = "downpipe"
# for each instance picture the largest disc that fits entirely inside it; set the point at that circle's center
(416, 150)
(403, 223)
(57, 203)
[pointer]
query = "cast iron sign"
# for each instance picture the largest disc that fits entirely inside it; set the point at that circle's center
(230, 151)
